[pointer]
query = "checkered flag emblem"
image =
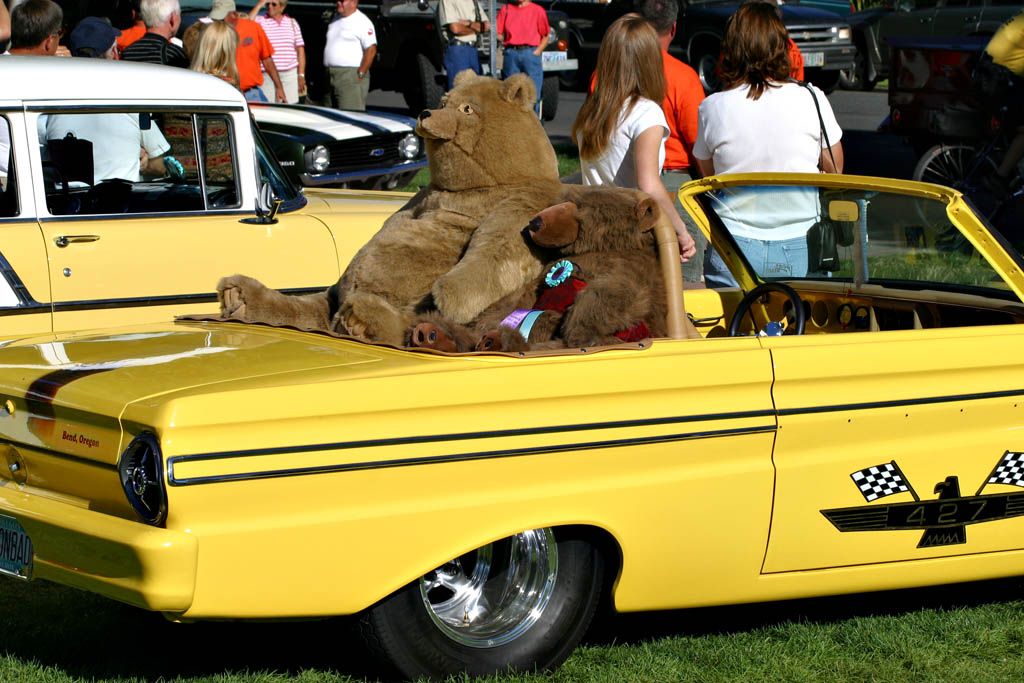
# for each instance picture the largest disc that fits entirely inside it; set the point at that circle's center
(1010, 470)
(880, 481)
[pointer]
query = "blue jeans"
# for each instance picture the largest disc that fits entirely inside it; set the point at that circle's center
(775, 258)
(459, 58)
(254, 94)
(522, 60)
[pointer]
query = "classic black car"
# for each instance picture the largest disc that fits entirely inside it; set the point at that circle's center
(318, 146)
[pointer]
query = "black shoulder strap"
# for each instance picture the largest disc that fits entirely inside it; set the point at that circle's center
(821, 122)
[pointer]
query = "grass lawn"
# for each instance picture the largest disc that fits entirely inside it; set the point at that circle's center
(973, 632)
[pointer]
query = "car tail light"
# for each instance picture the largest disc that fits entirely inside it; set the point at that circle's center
(142, 477)
(562, 45)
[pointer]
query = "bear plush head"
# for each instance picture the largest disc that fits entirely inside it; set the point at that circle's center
(486, 134)
(597, 219)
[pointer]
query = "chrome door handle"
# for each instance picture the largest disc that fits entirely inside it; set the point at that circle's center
(65, 240)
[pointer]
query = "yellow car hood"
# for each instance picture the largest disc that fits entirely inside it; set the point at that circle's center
(71, 394)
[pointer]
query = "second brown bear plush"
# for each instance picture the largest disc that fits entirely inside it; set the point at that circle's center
(456, 245)
(603, 286)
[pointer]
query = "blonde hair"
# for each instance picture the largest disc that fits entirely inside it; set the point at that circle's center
(216, 52)
(629, 67)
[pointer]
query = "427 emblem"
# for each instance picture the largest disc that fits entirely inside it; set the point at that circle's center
(944, 519)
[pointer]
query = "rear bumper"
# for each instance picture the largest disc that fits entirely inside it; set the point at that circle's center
(832, 57)
(128, 561)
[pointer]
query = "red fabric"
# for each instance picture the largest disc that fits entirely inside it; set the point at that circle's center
(683, 96)
(130, 35)
(796, 61)
(523, 24)
(635, 333)
(560, 297)
(253, 48)
(563, 295)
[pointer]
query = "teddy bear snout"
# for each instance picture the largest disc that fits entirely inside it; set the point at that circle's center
(425, 114)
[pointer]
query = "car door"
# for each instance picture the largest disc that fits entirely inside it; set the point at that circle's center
(911, 18)
(958, 18)
(122, 251)
(893, 431)
(24, 284)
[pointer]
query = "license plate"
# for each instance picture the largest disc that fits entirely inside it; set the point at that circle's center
(554, 56)
(814, 59)
(15, 549)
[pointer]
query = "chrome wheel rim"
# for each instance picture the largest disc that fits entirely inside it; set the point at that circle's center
(493, 595)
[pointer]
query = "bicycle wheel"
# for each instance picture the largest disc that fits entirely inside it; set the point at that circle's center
(952, 165)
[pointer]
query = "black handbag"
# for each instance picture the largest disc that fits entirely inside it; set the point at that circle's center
(822, 238)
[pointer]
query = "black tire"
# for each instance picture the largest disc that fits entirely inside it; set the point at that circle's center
(426, 90)
(705, 62)
(549, 97)
(826, 81)
(544, 590)
(856, 77)
(949, 164)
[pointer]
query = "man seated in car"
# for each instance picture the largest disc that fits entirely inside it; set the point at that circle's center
(121, 146)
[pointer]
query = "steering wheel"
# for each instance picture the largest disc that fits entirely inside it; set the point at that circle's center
(761, 290)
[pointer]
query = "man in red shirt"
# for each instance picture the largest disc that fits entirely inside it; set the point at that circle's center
(523, 29)
(254, 48)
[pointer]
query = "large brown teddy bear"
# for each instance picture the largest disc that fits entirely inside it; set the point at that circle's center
(456, 245)
(603, 285)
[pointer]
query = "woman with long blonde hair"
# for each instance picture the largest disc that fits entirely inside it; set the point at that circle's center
(621, 128)
(216, 52)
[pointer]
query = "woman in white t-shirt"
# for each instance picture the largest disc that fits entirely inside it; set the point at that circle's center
(621, 129)
(764, 122)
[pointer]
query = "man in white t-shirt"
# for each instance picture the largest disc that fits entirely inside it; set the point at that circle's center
(349, 52)
(116, 139)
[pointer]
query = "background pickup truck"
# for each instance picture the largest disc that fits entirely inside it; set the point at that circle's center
(823, 37)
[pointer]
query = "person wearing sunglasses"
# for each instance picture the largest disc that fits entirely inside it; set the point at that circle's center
(289, 49)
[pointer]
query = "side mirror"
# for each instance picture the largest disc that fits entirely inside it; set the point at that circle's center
(267, 206)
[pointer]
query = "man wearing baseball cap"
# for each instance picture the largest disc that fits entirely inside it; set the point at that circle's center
(254, 48)
(94, 37)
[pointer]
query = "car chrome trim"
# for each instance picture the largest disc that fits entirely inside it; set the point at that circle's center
(151, 214)
(133, 107)
(314, 180)
(453, 457)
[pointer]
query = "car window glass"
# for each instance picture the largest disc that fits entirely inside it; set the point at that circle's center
(135, 162)
(270, 171)
(910, 241)
(8, 178)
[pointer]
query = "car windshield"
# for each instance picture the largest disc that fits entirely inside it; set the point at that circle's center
(899, 240)
(270, 172)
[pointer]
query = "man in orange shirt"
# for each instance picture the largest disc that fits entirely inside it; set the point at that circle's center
(136, 31)
(683, 96)
(254, 48)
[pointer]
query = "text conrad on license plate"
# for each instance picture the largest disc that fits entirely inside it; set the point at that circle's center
(15, 549)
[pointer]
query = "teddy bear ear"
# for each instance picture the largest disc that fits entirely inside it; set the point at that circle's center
(647, 213)
(556, 226)
(463, 77)
(519, 89)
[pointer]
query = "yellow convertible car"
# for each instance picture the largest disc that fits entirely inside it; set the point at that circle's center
(850, 420)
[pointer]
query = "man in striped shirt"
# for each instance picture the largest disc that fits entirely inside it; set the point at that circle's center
(162, 19)
(289, 51)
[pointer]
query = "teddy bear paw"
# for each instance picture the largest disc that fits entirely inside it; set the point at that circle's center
(231, 296)
(430, 336)
(491, 341)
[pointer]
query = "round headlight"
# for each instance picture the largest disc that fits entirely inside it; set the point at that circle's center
(142, 476)
(318, 159)
(409, 146)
